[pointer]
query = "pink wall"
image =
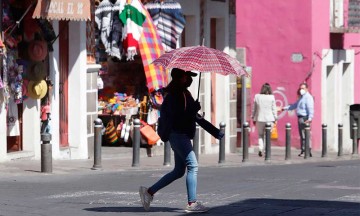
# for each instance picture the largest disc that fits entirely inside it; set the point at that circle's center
(320, 40)
(272, 33)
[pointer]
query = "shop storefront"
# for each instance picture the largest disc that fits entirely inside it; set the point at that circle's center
(37, 53)
(129, 86)
(86, 75)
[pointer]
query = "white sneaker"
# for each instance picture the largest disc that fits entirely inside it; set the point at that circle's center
(145, 197)
(196, 207)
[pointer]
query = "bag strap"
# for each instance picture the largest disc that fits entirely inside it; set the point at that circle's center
(184, 100)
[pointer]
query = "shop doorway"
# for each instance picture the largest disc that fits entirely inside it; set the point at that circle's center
(63, 85)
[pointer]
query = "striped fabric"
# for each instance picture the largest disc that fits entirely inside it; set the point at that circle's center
(109, 26)
(150, 49)
(169, 20)
(132, 17)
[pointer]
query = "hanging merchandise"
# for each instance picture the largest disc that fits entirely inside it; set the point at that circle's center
(109, 25)
(149, 133)
(37, 90)
(37, 50)
(2, 46)
(24, 89)
(169, 20)
(152, 116)
(1, 83)
(48, 32)
(132, 16)
(13, 76)
(36, 71)
(30, 26)
(110, 133)
(151, 48)
(6, 92)
(100, 82)
(13, 128)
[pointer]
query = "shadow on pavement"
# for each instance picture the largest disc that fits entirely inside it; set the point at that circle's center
(281, 207)
(258, 207)
(131, 209)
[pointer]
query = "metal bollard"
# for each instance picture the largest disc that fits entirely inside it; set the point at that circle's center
(307, 140)
(288, 141)
(167, 154)
(196, 140)
(136, 143)
(355, 139)
(324, 141)
(97, 144)
(222, 143)
(340, 141)
(267, 141)
(245, 143)
(46, 153)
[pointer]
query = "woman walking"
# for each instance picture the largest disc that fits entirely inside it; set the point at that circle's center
(264, 110)
(177, 125)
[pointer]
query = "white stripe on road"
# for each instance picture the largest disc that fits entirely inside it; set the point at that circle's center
(90, 193)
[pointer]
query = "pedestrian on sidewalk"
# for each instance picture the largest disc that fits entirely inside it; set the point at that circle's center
(177, 125)
(305, 112)
(264, 111)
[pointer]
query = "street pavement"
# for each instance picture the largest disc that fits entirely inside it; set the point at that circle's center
(120, 159)
(299, 187)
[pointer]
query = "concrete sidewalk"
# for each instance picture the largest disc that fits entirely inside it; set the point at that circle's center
(116, 159)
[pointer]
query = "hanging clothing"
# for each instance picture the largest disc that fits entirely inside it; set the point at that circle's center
(100, 53)
(150, 49)
(6, 91)
(109, 25)
(13, 127)
(132, 16)
(1, 83)
(169, 20)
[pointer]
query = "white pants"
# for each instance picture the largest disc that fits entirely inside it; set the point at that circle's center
(261, 133)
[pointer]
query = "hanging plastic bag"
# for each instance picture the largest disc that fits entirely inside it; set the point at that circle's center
(274, 132)
(149, 133)
(100, 83)
(152, 116)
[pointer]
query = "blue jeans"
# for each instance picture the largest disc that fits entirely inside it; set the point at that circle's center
(185, 158)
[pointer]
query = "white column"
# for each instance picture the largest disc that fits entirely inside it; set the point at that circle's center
(31, 127)
(55, 110)
(77, 91)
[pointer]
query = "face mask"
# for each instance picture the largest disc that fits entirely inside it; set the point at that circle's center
(188, 82)
(302, 91)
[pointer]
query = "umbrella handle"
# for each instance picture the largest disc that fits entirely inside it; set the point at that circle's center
(199, 87)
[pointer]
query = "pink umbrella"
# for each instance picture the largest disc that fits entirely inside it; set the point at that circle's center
(201, 59)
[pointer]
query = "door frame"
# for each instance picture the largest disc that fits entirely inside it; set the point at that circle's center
(63, 84)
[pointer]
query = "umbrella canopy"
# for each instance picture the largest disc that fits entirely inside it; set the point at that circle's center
(202, 59)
